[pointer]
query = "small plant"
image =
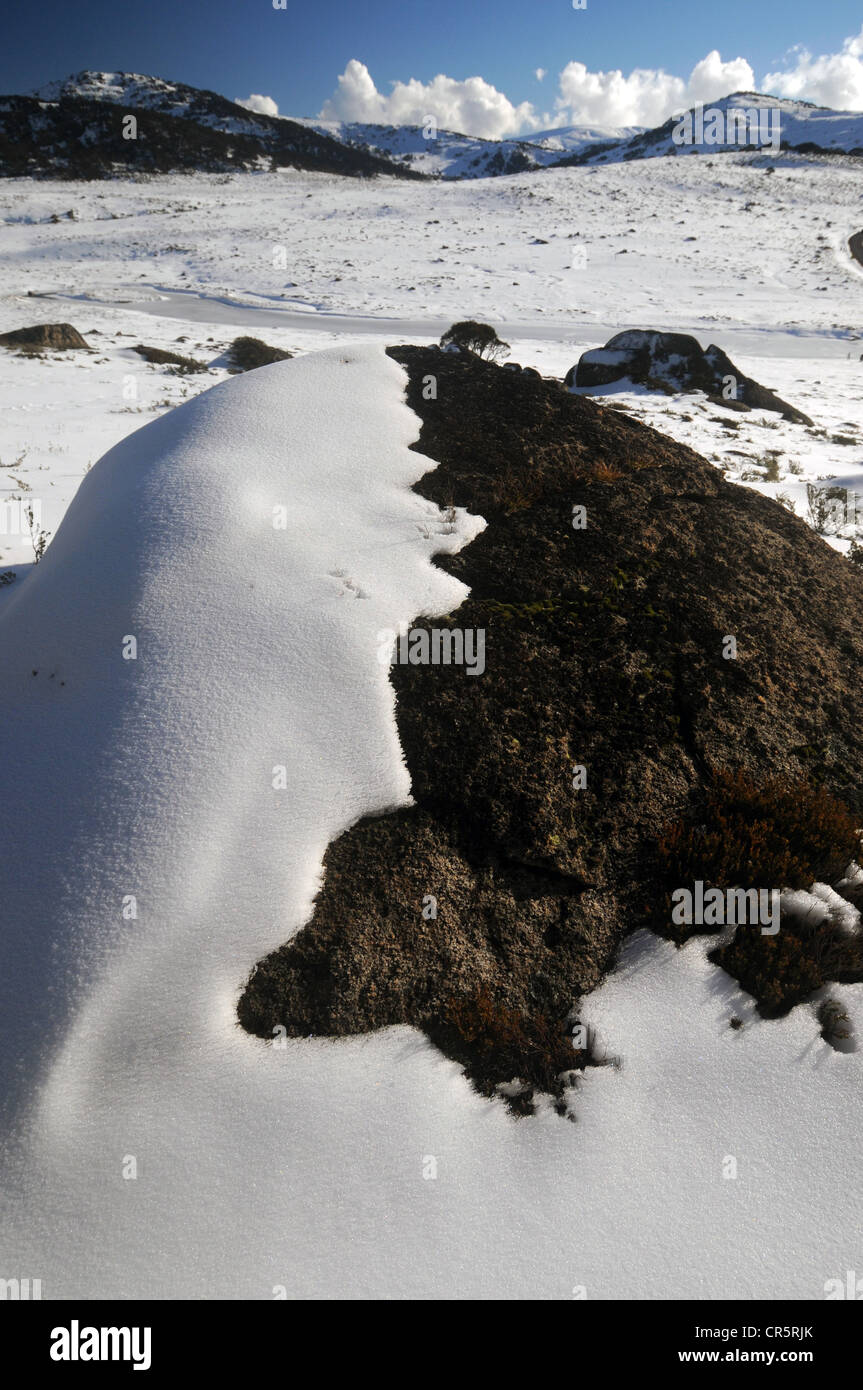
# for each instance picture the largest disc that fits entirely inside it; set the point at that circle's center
(770, 461)
(479, 338)
(825, 508)
(835, 1023)
(38, 537)
(607, 473)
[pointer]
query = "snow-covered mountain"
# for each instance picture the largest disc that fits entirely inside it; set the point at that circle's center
(447, 154)
(74, 128)
(769, 121)
(84, 141)
(796, 125)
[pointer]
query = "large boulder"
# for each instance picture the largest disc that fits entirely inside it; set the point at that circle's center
(676, 362)
(605, 648)
(44, 337)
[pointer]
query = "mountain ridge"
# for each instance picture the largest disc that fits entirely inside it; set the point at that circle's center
(70, 128)
(77, 128)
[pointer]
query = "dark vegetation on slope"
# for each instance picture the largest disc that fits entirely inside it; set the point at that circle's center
(604, 647)
(162, 357)
(79, 138)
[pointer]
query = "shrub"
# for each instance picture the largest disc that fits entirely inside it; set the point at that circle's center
(497, 1043)
(160, 357)
(777, 970)
(245, 354)
(480, 338)
(780, 833)
(826, 508)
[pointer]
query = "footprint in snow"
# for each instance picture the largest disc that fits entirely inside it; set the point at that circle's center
(348, 586)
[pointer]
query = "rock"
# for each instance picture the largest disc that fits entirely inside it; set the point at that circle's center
(44, 337)
(672, 363)
(604, 649)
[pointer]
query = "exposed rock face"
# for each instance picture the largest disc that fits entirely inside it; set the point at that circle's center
(50, 337)
(604, 649)
(673, 362)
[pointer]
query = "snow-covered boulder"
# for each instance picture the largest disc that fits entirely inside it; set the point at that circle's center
(675, 362)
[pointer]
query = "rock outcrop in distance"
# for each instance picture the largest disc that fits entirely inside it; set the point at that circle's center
(44, 337)
(676, 362)
(611, 750)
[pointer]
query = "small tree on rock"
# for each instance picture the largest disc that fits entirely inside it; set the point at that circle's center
(480, 338)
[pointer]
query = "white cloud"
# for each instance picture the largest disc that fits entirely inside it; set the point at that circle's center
(262, 106)
(648, 96)
(834, 79)
(472, 106)
(711, 78)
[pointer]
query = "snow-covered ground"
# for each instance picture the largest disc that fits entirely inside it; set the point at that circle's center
(307, 1168)
(558, 261)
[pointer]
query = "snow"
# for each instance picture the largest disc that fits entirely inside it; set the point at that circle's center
(259, 1166)
(307, 261)
(823, 904)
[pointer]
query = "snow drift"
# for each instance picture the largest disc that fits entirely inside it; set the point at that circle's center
(168, 803)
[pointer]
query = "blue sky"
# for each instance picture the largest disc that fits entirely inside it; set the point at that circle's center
(296, 55)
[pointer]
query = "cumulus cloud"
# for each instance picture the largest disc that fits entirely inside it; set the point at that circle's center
(644, 97)
(262, 106)
(833, 79)
(472, 106)
(648, 96)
